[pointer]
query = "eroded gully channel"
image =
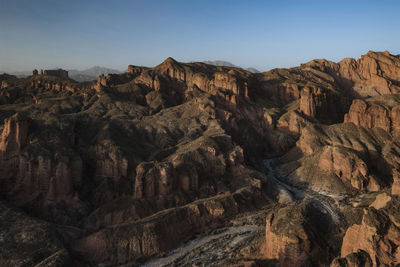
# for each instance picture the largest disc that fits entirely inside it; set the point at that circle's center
(218, 246)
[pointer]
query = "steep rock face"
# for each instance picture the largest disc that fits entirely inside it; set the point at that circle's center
(29, 174)
(109, 162)
(109, 80)
(187, 169)
(170, 67)
(297, 235)
(313, 102)
(378, 235)
(161, 232)
(373, 74)
(317, 91)
(170, 75)
(293, 122)
(154, 180)
(346, 165)
(55, 180)
(382, 112)
(363, 159)
(396, 182)
(14, 134)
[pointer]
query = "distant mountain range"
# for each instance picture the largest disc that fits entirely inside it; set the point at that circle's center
(19, 74)
(92, 73)
(228, 64)
(89, 74)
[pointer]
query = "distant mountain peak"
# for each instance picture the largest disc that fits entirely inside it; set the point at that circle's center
(91, 73)
(219, 63)
(228, 64)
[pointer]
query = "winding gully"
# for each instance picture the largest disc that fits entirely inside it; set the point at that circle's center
(217, 247)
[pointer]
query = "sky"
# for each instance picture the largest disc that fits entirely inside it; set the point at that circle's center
(261, 34)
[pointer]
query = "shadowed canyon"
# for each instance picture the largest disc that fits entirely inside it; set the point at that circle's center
(191, 164)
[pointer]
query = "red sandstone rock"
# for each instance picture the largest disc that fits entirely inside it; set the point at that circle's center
(368, 76)
(161, 232)
(349, 153)
(14, 134)
(356, 259)
(348, 166)
(291, 237)
(162, 137)
(293, 123)
(396, 183)
(368, 116)
(378, 233)
(380, 201)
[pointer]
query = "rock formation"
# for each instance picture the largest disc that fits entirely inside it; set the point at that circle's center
(134, 165)
(355, 259)
(377, 235)
(379, 111)
(297, 235)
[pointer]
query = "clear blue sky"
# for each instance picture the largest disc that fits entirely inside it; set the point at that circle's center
(261, 34)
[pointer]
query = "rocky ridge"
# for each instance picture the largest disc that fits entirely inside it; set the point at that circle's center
(133, 165)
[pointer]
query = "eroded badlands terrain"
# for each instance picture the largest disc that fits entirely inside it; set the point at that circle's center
(189, 164)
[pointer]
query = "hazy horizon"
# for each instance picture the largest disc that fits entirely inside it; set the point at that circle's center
(260, 34)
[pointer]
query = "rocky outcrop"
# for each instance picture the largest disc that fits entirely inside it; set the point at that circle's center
(373, 74)
(355, 259)
(30, 174)
(187, 170)
(396, 182)
(348, 166)
(14, 135)
(364, 159)
(313, 101)
(172, 76)
(162, 232)
(382, 112)
(109, 161)
(297, 235)
(368, 116)
(55, 83)
(378, 235)
(318, 93)
(154, 180)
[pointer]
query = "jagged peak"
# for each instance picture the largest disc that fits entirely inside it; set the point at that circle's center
(320, 61)
(347, 61)
(168, 63)
(316, 62)
(378, 53)
(384, 56)
(170, 60)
